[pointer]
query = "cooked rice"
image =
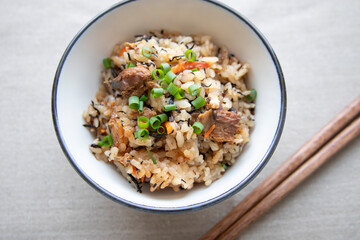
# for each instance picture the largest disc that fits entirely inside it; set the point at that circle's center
(182, 157)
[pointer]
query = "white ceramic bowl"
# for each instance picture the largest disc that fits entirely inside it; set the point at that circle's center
(78, 77)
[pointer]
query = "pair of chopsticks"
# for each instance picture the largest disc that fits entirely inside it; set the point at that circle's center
(329, 140)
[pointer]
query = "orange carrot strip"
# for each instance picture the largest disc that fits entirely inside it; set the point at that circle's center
(103, 130)
(134, 171)
(125, 48)
(112, 104)
(169, 128)
(189, 65)
(209, 131)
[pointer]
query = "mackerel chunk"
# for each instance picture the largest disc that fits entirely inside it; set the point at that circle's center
(227, 124)
(131, 81)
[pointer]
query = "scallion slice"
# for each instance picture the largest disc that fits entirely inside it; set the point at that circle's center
(144, 98)
(165, 67)
(158, 74)
(180, 94)
(194, 90)
(198, 127)
(172, 89)
(252, 95)
(157, 92)
(141, 106)
(224, 166)
(130, 65)
(194, 70)
(146, 52)
(162, 117)
(154, 123)
(143, 122)
(198, 102)
(190, 55)
(141, 134)
(106, 141)
(169, 77)
(152, 157)
(160, 130)
(163, 84)
(134, 102)
(107, 62)
(169, 107)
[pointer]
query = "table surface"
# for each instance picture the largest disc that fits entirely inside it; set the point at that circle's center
(42, 197)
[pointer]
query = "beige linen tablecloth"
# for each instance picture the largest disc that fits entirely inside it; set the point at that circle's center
(42, 197)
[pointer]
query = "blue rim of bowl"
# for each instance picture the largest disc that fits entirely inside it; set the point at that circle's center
(192, 207)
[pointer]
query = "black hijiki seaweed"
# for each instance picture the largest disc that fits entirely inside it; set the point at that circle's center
(89, 126)
(156, 135)
(115, 73)
(172, 98)
(93, 105)
(138, 186)
(193, 44)
(176, 57)
(203, 85)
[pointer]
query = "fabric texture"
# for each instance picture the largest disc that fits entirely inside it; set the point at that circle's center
(42, 197)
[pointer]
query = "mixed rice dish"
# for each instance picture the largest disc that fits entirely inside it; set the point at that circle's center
(172, 110)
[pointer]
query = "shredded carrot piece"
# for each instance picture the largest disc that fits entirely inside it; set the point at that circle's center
(143, 178)
(209, 131)
(134, 171)
(169, 128)
(125, 48)
(103, 130)
(189, 65)
(112, 104)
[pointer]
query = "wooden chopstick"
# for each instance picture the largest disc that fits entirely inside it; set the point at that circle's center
(285, 170)
(294, 180)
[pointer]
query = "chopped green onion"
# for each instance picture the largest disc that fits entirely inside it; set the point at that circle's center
(134, 102)
(198, 102)
(169, 77)
(163, 84)
(224, 166)
(157, 74)
(107, 62)
(154, 123)
(194, 90)
(162, 117)
(172, 89)
(161, 130)
(143, 122)
(192, 56)
(169, 107)
(157, 92)
(180, 94)
(141, 134)
(144, 98)
(198, 127)
(194, 70)
(152, 157)
(146, 52)
(165, 67)
(106, 141)
(252, 95)
(130, 65)
(141, 106)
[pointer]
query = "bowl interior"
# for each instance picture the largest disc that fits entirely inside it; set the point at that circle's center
(78, 79)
